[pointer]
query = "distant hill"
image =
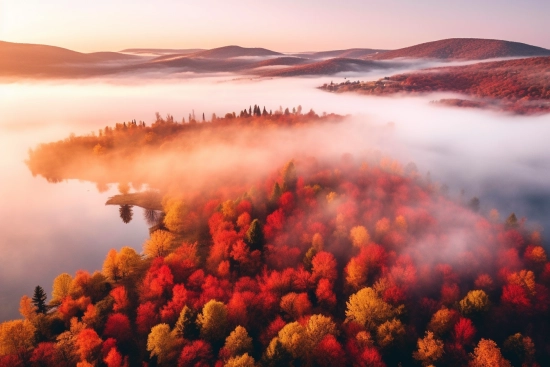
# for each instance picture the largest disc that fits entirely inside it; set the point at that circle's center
(201, 65)
(196, 64)
(161, 51)
(235, 51)
(518, 85)
(352, 53)
(465, 49)
(327, 67)
(31, 60)
(280, 61)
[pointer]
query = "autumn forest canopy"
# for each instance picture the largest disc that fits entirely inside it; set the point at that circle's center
(518, 86)
(299, 259)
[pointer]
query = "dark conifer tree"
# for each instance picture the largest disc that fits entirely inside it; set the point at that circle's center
(275, 193)
(512, 221)
(39, 299)
(289, 177)
(255, 236)
(474, 204)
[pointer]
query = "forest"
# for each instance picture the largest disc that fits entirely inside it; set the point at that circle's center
(353, 261)
(113, 150)
(517, 86)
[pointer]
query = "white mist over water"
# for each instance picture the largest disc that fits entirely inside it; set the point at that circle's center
(48, 229)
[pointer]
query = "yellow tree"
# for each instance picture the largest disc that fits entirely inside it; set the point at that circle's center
(368, 309)
(525, 279)
(475, 301)
(27, 309)
(61, 287)
(356, 274)
(212, 321)
(160, 343)
(120, 265)
(128, 261)
(317, 327)
(359, 236)
(241, 361)
(390, 333)
(487, 354)
(16, 337)
(317, 242)
(159, 244)
(238, 342)
(293, 338)
(186, 324)
(429, 349)
(176, 211)
(441, 322)
(228, 210)
(110, 266)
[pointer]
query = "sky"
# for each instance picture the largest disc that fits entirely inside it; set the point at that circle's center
(282, 25)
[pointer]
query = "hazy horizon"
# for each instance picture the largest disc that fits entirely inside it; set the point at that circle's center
(274, 25)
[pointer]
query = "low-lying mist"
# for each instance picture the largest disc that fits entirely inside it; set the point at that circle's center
(501, 159)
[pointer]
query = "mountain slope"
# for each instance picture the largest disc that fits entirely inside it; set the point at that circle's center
(518, 85)
(235, 51)
(352, 53)
(280, 61)
(160, 51)
(465, 49)
(30, 59)
(327, 67)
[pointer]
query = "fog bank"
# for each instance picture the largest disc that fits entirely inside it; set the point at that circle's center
(504, 160)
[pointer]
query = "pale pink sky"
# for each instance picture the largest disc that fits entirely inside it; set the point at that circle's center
(283, 25)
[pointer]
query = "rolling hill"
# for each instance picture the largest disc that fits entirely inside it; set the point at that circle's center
(465, 49)
(280, 61)
(519, 85)
(195, 64)
(34, 60)
(235, 51)
(161, 51)
(327, 67)
(352, 53)
(42, 61)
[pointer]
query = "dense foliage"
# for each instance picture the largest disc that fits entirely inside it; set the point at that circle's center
(324, 263)
(137, 153)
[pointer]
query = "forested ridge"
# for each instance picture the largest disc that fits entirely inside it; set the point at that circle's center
(520, 86)
(354, 261)
(112, 150)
